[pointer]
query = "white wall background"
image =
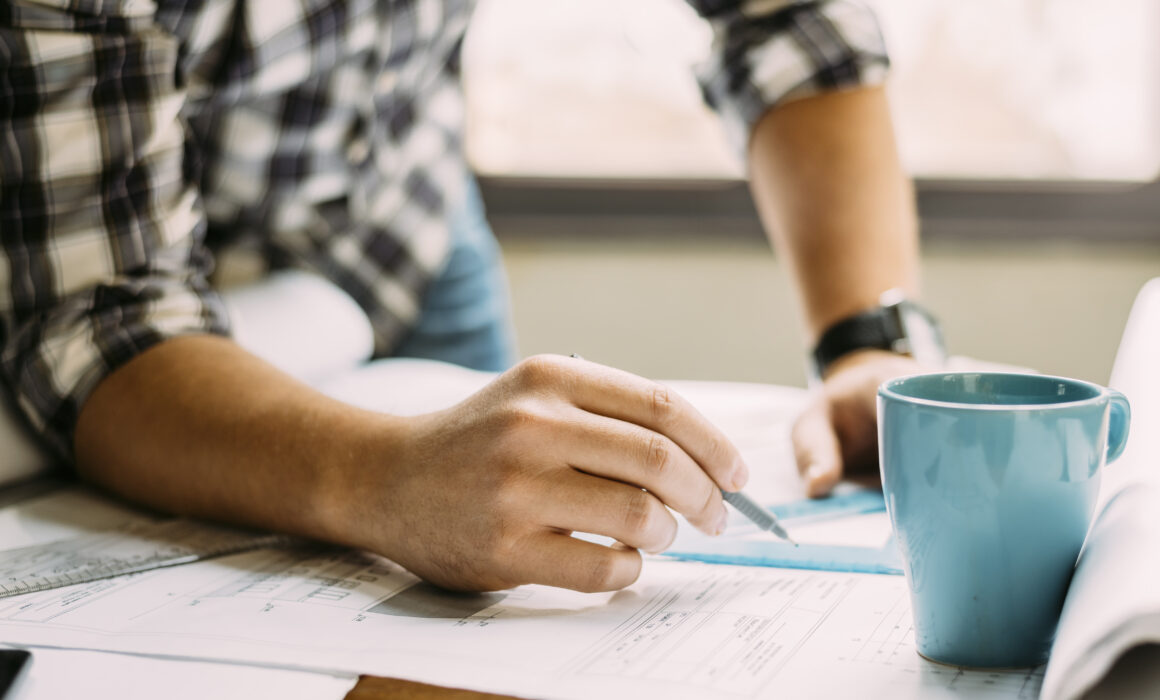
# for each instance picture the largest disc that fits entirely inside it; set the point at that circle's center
(1054, 89)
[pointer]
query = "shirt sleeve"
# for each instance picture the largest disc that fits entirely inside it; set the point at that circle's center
(766, 52)
(103, 233)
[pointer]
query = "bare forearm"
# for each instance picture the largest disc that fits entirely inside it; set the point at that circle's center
(830, 190)
(198, 426)
(482, 495)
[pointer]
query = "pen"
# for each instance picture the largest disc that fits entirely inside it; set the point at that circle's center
(761, 517)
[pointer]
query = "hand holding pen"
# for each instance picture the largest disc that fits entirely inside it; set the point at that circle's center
(759, 516)
(485, 495)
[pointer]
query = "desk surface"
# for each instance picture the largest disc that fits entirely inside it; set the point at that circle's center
(375, 688)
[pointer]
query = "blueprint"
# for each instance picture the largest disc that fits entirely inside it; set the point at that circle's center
(685, 629)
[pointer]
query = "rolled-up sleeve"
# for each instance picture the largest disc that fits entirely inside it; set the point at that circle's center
(767, 52)
(103, 233)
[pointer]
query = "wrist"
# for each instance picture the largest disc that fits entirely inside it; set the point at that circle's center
(897, 364)
(897, 325)
(356, 467)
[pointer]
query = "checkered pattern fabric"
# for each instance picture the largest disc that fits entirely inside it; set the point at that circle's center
(137, 136)
(771, 51)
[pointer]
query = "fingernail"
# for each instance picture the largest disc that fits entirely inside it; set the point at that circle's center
(740, 475)
(816, 472)
(722, 522)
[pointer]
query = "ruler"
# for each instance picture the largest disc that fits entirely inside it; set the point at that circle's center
(819, 557)
(139, 547)
(853, 502)
(822, 557)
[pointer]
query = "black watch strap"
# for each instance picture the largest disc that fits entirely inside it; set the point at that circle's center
(874, 329)
(897, 324)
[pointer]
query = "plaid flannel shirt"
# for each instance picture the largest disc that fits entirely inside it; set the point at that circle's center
(137, 136)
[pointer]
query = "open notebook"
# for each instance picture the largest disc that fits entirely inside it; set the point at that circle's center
(1113, 604)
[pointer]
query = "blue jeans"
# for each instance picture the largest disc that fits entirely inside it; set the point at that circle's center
(466, 313)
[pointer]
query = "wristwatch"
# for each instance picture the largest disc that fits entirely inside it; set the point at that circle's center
(897, 324)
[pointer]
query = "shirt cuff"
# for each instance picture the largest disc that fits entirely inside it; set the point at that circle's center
(53, 361)
(763, 58)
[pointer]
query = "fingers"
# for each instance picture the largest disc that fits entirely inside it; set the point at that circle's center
(816, 449)
(623, 452)
(557, 559)
(582, 503)
(616, 394)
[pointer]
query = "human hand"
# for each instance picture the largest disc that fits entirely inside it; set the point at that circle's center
(836, 436)
(485, 495)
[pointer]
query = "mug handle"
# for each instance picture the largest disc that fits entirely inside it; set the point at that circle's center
(1121, 417)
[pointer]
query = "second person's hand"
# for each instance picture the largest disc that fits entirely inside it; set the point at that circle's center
(836, 436)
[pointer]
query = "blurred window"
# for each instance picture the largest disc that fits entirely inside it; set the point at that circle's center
(987, 89)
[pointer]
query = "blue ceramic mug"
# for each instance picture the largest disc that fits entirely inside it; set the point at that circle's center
(990, 481)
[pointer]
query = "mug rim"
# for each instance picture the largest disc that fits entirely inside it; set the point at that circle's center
(886, 391)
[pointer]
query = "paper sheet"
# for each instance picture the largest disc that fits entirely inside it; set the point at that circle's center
(268, 320)
(77, 511)
(1113, 603)
(405, 386)
(59, 673)
(684, 630)
(63, 513)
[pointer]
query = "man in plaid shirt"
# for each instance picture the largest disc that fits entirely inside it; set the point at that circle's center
(138, 138)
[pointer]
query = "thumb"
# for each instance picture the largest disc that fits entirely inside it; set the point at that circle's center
(816, 449)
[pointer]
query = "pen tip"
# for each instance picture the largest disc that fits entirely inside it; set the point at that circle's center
(780, 532)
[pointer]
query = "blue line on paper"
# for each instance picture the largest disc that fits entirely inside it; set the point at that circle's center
(820, 557)
(843, 558)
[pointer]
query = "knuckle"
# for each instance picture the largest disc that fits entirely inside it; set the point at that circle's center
(602, 573)
(658, 456)
(639, 512)
(536, 371)
(662, 403)
(718, 449)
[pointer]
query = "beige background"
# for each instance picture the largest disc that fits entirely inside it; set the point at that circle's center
(703, 309)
